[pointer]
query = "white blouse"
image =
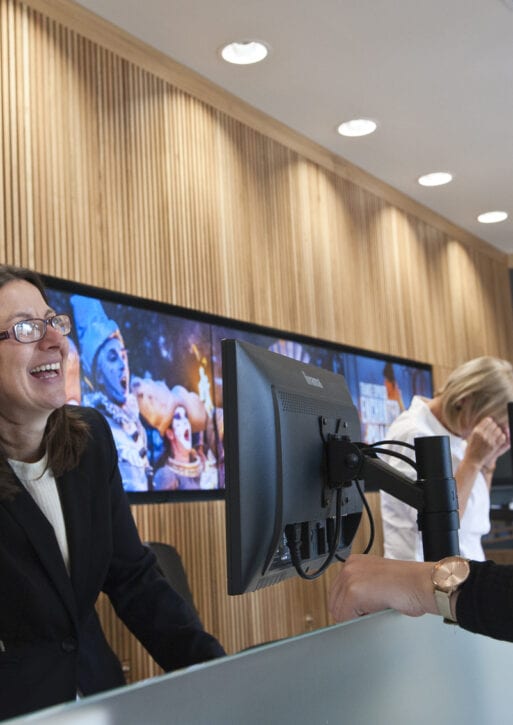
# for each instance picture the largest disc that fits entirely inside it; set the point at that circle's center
(39, 481)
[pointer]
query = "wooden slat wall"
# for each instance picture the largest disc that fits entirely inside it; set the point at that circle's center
(112, 175)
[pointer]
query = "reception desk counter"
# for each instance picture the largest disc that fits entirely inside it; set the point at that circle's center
(383, 669)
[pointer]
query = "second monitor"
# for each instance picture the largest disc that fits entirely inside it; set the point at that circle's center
(282, 516)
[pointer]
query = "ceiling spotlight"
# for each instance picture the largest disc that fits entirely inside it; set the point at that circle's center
(245, 52)
(492, 217)
(357, 127)
(437, 178)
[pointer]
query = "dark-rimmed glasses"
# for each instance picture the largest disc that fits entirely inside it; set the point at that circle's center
(35, 329)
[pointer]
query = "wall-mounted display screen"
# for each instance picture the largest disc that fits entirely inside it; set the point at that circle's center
(154, 371)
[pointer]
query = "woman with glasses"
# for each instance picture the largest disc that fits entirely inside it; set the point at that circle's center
(66, 531)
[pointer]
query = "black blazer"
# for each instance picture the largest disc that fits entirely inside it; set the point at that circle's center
(51, 642)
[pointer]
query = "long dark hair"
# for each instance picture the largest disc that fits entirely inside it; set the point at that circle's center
(66, 432)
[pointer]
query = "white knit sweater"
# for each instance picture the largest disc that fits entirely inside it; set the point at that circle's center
(40, 483)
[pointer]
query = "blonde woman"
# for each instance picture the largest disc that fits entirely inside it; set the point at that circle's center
(471, 409)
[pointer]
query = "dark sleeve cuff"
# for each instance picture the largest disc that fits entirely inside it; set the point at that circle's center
(485, 602)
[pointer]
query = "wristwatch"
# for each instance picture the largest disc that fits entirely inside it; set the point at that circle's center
(447, 576)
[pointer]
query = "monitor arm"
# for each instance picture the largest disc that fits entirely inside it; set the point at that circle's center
(433, 494)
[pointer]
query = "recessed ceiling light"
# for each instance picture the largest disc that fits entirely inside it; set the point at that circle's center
(492, 217)
(357, 127)
(437, 178)
(245, 52)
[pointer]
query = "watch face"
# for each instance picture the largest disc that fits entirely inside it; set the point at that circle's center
(449, 573)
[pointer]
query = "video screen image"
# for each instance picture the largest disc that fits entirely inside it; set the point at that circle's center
(156, 377)
(149, 374)
(382, 389)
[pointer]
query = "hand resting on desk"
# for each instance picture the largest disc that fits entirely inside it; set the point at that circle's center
(367, 584)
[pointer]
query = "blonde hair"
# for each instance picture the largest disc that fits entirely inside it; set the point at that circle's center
(485, 384)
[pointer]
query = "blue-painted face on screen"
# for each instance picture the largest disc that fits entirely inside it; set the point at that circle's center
(112, 372)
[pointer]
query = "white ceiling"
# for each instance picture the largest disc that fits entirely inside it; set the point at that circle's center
(437, 76)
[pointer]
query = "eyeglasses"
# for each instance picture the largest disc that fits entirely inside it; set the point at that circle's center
(35, 329)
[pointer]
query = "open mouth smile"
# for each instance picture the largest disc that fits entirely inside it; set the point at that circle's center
(49, 370)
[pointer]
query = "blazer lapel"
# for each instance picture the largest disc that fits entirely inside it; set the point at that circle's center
(74, 493)
(41, 534)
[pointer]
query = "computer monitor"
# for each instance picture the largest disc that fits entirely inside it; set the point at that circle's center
(277, 415)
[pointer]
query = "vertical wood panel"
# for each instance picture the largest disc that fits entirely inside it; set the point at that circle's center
(110, 175)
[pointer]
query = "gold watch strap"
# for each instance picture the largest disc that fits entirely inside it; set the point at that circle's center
(443, 604)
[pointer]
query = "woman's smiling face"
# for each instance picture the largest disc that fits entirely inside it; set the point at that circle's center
(32, 375)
